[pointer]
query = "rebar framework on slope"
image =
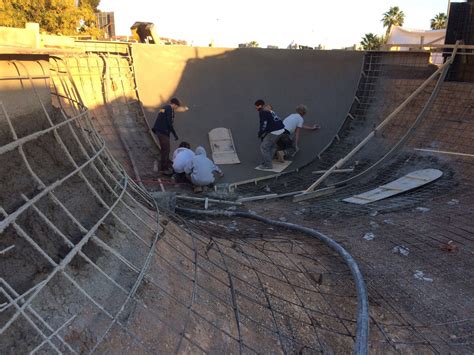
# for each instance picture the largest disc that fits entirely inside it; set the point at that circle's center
(33, 198)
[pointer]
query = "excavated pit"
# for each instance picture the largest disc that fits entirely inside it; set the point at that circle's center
(89, 264)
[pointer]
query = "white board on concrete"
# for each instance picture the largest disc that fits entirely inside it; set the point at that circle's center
(408, 182)
(278, 167)
(222, 146)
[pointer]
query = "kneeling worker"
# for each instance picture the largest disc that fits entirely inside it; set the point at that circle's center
(181, 157)
(200, 170)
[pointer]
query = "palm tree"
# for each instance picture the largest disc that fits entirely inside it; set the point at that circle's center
(393, 17)
(439, 21)
(253, 44)
(371, 42)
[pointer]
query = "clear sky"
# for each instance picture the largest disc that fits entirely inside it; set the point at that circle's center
(334, 24)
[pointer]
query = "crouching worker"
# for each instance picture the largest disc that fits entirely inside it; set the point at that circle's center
(181, 157)
(200, 170)
(288, 144)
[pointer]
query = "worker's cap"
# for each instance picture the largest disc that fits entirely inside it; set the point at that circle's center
(175, 101)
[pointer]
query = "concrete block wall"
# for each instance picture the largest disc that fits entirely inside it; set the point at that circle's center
(30, 37)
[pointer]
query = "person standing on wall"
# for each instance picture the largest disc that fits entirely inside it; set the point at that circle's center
(270, 130)
(163, 127)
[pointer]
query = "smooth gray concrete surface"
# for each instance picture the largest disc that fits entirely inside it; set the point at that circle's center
(220, 86)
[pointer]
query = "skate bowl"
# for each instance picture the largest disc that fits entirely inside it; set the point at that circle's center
(220, 86)
(90, 264)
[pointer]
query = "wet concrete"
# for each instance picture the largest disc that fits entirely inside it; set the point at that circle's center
(220, 86)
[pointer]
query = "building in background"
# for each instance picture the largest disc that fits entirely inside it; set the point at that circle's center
(400, 35)
(106, 23)
(461, 28)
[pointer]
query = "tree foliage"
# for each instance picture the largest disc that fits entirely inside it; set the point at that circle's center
(53, 16)
(439, 22)
(371, 42)
(253, 44)
(94, 4)
(393, 17)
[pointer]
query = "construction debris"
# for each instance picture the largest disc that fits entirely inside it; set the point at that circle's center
(419, 275)
(401, 249)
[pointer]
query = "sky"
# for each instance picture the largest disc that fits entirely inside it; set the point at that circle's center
(333, 24)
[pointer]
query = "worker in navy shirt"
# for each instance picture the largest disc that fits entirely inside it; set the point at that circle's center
(163, 127)
(271, 128)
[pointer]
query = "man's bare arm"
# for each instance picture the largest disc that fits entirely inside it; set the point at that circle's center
(311, 128)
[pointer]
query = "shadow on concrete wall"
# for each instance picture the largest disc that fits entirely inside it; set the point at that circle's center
(220, 86)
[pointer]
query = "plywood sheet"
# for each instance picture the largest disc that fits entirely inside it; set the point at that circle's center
(408, 182)
(222, 146)
(278, 167)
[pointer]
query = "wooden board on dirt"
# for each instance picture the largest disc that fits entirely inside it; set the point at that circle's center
(222, 146)
(408, 182)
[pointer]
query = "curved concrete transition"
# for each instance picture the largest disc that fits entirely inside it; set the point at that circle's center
(220, 86)
(88, 264)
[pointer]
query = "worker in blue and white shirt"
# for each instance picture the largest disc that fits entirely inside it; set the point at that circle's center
(270, 130)
(163, 127)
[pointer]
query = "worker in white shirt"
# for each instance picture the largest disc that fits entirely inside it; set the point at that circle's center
(294, 123)
(181, 157)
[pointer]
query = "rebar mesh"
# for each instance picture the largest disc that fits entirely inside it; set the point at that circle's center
(105, 276)
(63, 195)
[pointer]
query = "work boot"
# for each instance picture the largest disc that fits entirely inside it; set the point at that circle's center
(280, 156)
(167, 172)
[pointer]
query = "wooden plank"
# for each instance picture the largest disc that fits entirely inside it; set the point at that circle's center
(313, 194)
(256, 198)
(445, 152)
(222, 146)
(405, 183)
(210, 200)
(278, 167)
(337, 171)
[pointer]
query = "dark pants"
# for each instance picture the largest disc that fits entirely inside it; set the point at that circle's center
(165, 163)
(287, 144)
(285, 141)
